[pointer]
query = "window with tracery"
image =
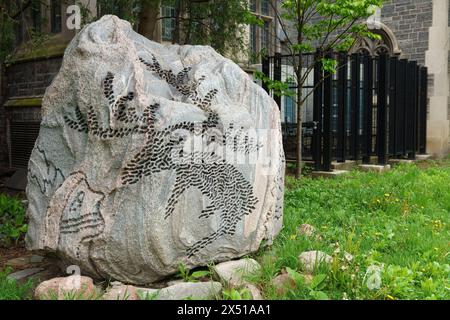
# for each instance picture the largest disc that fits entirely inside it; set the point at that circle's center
(374, 47)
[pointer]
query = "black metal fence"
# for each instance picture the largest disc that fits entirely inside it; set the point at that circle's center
(371, 109)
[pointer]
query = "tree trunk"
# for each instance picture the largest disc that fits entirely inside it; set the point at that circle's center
(148, 18)
(178, 14)
(188, 28)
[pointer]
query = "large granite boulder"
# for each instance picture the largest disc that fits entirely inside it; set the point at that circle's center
(150, 156)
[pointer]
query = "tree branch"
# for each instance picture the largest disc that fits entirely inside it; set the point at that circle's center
(21, 10)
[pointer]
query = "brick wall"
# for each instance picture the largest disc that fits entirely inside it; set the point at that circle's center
(3, 144)
(23, 79)
(31, 78)
(409, 20)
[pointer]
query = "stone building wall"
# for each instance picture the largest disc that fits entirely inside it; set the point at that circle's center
(24, 85)
(409, 20)
(3, 145)
(31, 78)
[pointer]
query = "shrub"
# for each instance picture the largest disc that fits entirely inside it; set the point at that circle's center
(11, 290)
(12, 220)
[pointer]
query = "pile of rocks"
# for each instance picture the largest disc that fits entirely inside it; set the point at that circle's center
(309, 261)
(231, 274)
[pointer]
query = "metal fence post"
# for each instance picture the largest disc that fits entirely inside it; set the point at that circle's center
(393, 62)
(355, 100)
(410, 110)
(382, 109)
(317, 113)
(368, 106)
(266, 71)
(401, 100)
(423, 111)
(327, 110)
(342, 104)
(416, 108)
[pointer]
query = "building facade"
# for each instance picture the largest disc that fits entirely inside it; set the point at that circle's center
(417, 30)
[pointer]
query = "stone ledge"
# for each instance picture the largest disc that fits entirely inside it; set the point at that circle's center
(374, 168)
(423, 157)
(24, 102)
(328, 174)
(347, 165)
(393, 162)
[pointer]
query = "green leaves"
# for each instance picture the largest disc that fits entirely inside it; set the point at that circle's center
(329, 65)
(327, 25)
(318, 281)
(399, 219)
(12, 220)
(280, 88)
(297, 277)
(195, 276)
(319, 295)
(200, 274)
(249, 18)
(12, 290)
(302, 48)
(314, 287)
(220, 24)
(348, 8)
(234, 294)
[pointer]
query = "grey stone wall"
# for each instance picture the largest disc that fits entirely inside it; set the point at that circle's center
(23, 79)
(3, 144)
(31, 78)
(409, 20)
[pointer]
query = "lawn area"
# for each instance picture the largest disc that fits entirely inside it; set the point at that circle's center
(388, 235)
(11, 290)
(397, 222)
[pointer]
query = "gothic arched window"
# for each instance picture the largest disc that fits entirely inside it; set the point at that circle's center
(386, 45)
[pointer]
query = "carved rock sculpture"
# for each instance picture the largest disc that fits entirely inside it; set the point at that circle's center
(129, 177)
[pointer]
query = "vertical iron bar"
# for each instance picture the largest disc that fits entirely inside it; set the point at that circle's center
(368, 106)
(277, 76)
(382, 109)
(342, 99)
(408, 102)
(423, 110)
(266, 71)
(393, 62)
(410, 110)
(327, 110)
(355, 106)
(317, 114)
(416, 109)
(401, 107)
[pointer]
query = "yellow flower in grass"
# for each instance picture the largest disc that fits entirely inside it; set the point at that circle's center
(293, 237)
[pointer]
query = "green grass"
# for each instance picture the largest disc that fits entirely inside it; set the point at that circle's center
(12, 220)
(11, 290)
(398, 221)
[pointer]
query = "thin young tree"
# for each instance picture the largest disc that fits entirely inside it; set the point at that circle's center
(309, 26)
